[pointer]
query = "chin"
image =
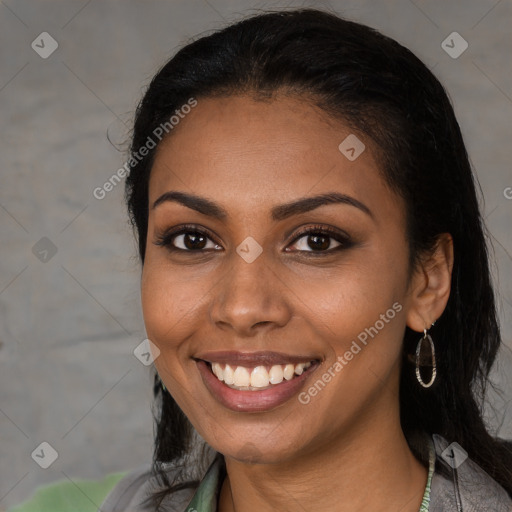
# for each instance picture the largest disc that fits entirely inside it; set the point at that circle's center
(269, 451)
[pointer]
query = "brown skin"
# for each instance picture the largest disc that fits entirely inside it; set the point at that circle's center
(346, 446)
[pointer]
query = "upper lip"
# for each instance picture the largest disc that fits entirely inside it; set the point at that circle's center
(250, 359)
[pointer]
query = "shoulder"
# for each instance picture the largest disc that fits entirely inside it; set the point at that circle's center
(131, 492)
(458, 483)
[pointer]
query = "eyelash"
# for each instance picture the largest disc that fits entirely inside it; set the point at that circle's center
(166, 238)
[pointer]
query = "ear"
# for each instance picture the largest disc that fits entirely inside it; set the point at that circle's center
(430, 285)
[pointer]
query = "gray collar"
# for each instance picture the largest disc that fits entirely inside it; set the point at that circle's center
(458, 485)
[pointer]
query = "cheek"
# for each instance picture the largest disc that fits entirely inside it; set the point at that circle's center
(360, 310)
(353, 296)
(168, 304)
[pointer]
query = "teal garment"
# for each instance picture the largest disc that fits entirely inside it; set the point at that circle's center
(425, 502)
(206, 496)
(86, 495)
(65, 496)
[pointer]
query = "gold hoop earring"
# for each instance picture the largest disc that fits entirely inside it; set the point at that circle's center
(426, 337)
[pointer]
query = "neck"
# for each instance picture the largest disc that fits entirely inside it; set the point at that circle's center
(370, 468)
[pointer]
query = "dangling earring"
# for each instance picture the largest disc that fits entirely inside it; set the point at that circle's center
(426, 337)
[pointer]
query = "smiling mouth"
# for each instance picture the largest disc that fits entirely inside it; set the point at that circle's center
(257, 378)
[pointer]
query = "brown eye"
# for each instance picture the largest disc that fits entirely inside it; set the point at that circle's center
(191, 241)
(316, 242)
(320, 239)
(186, 239)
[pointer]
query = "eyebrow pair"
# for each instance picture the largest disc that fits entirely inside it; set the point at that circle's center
(278, 213)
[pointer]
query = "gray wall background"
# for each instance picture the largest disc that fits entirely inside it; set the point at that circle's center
(71, 320)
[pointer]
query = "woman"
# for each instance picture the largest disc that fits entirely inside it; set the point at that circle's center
(315, 282)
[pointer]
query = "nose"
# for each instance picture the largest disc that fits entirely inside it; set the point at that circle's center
(250, 297)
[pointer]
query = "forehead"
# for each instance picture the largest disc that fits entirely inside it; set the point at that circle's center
(247, 154)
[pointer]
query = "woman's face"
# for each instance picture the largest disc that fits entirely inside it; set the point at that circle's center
(255, 293)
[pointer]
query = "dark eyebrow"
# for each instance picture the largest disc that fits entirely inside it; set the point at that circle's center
(278, 213)
(197, 203)
(307, 204)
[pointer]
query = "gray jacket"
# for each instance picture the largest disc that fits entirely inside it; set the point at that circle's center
(458, 485)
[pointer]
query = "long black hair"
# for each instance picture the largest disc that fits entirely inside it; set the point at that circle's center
(383, 91)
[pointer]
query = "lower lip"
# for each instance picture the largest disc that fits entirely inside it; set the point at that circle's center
(252, 401)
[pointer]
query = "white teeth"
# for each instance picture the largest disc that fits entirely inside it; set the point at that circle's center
(217, 370)
(229, 375)
(299, 369)
(288, 371)
(259, 377)
(242, 377)
(275, 376)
